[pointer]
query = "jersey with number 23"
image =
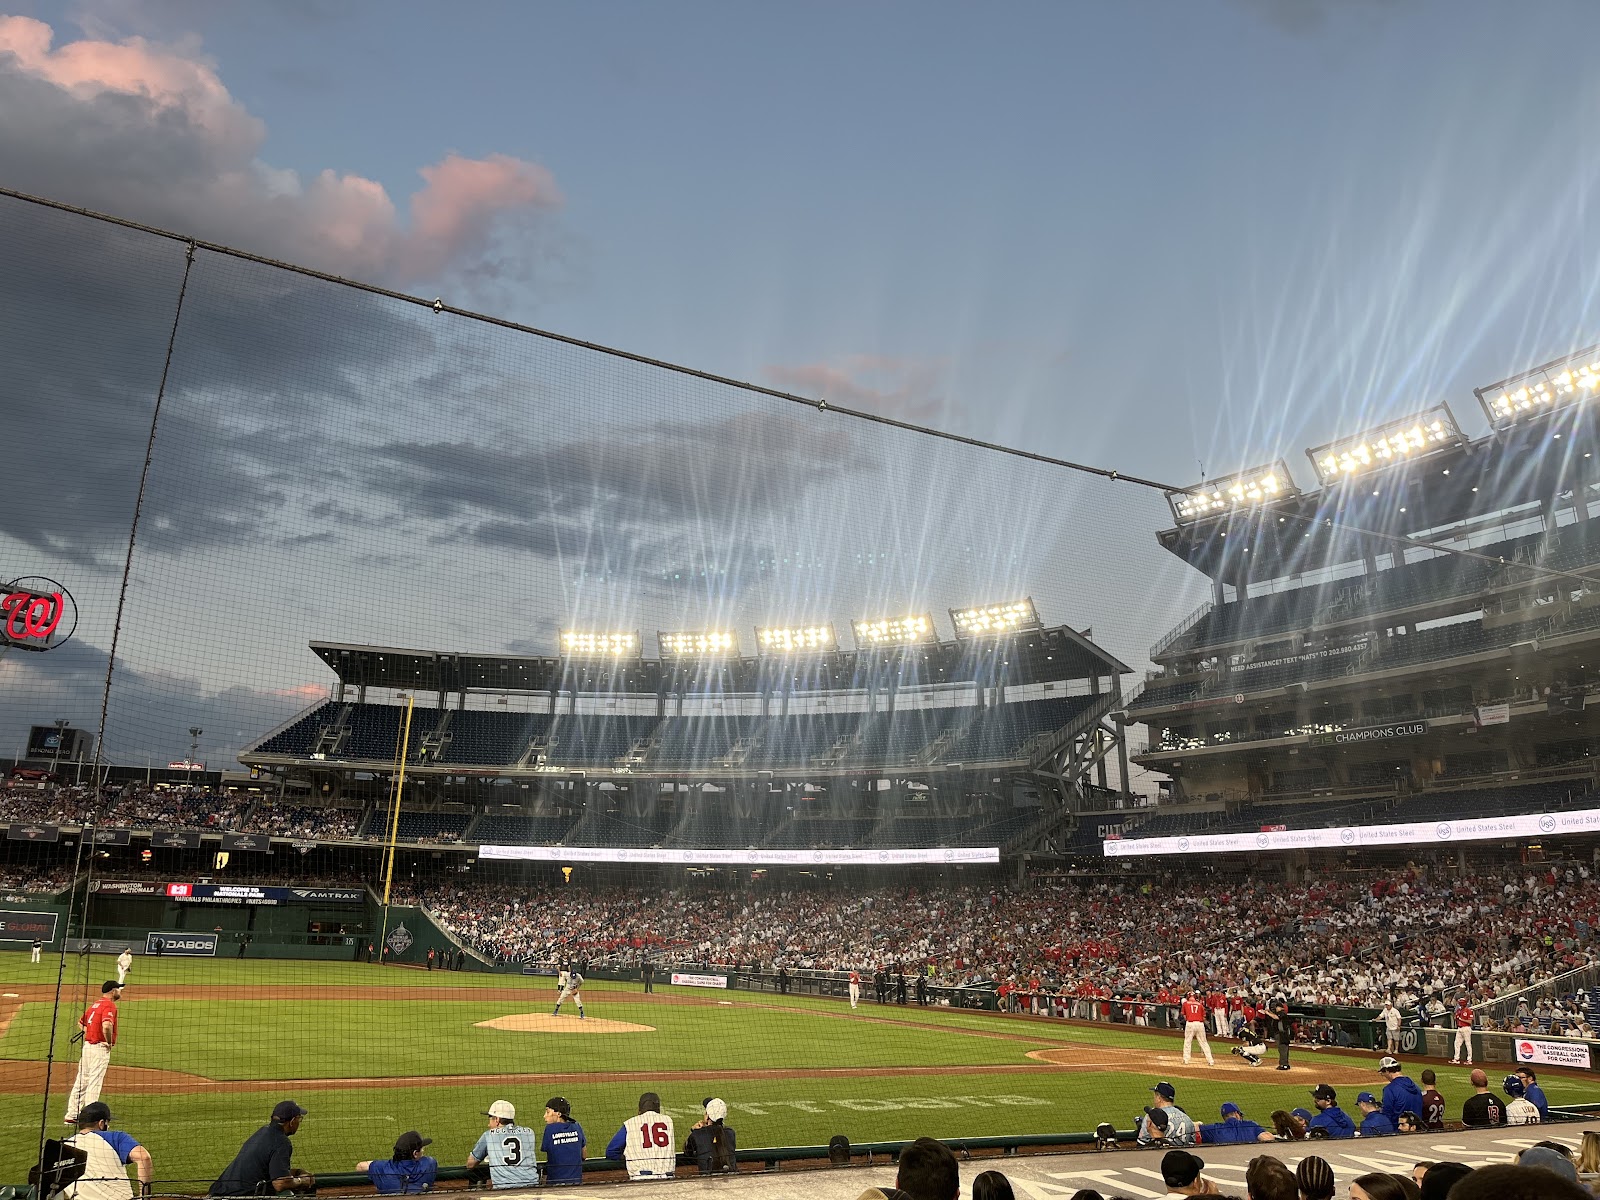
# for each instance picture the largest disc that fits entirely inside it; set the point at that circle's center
(509, 1151)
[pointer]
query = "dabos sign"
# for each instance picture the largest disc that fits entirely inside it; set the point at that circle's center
(1553, 1054)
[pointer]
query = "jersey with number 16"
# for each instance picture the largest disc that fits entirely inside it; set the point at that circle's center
(651, 1146)
(509, 1151)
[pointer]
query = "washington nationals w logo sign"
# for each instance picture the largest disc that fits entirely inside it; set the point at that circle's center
(36, 614)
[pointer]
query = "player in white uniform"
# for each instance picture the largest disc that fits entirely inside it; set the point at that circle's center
(646, 1142)
(507, 1149)
(37, 946)
(124, 965)
(571, 987)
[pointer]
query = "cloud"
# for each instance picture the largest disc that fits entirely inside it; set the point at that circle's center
(906, 389)
(1302, 17)
(150, 131)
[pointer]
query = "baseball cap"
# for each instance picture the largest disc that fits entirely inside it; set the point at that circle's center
(90, 1113)
(1323, 1092)
(1230, 1108)
(1389, 1064)
(559, 1104)
(285, 1111)
(1513, 1086)
(1179, 1168)
(503, 1109)
(109, 986)
(1305, 1114)
(1165, 1090)
(1366, 1098)
(1158, 1118)
(1314, 1176)
(410, 1142)
(1543, 1156)
(716, 1110)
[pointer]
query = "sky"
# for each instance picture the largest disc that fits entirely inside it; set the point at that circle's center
(1174, 240)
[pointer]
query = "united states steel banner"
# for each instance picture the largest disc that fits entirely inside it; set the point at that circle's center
(742, 858)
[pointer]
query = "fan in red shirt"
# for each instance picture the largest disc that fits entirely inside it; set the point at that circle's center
(99, 1033)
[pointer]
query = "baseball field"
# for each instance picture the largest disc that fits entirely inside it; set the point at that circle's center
(208, 1046)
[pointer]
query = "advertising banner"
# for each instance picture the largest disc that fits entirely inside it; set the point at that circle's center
(1370, 733)
(127, 887)
(258, 843)
(1421, 833)
(244, 893)
(190, 945)
(1494, 714)
(710, 981)
(742, 858)
(175, 839)
(18, 925)
(1553, 1054)
(111, 837)
(32, 833)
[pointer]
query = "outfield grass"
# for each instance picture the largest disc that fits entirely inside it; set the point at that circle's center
(363, 1036)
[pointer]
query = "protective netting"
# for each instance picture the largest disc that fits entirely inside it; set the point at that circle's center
(335, 465)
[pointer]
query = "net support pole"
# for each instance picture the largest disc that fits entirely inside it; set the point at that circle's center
(390, 852)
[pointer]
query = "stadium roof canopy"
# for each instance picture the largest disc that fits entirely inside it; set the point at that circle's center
(1525, 465)
(1032, 656)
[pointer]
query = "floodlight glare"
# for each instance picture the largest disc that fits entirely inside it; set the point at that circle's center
(1559, 384)
(699, 643)
(990, 619)
(1402, 440)
(797, 639)
(1246, 489)
(583, 643)
(893, 631)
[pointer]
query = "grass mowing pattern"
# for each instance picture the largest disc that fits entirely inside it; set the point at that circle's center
(363, 1035)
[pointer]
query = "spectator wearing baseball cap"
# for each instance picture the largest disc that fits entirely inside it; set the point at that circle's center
(562, 1144)
(711, 1140)
(263, 1162)
(407, 1171)
(1178, 1126)
(105, 1175)
(1314, 1176)
(1533, 1092)
(1519, 1111)
(1331, 1119)
(505, 1152)
(1180, 1171)
(1400, 1092)
(1233, 1128)
(1373, 1121)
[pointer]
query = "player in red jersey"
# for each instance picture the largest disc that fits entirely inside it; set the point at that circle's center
(855, 988)
(1463, 1021)
(98, 1028)
(1194, 1026)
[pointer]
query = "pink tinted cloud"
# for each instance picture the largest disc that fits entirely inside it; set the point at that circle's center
(210, 180)
(907, 389)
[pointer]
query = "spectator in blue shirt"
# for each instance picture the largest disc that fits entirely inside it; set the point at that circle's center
(1533, 1093)
(1330, 1118)
(1400, 1093)
(1233, 1128)
(97, 1117)
(563, 1143)
(408, 1171)
(1373, 1122)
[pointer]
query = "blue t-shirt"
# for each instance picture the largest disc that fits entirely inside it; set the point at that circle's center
(407, 1177)
(1375, 1124)
(563, 1150)
(510, 1152)
(122, 1143)
(1534, 1096)
(1336, 1121)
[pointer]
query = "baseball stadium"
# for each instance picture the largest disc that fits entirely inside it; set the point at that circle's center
(431, 723)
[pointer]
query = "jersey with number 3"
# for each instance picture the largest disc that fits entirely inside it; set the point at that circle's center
(509, 1151)
(651, 1150)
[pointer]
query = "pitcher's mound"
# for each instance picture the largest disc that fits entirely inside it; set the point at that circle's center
(546, 1023)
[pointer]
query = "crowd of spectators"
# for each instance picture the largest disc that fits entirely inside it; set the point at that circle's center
(304, 821)
(135, 808)
(16, 877)
(1412, 937)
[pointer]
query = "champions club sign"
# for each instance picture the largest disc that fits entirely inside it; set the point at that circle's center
(36, 614)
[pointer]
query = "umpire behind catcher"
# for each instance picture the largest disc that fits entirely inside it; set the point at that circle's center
(262, 1164)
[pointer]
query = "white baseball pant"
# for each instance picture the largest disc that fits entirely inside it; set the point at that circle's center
(855, 994)
(92, 1064)
(1219, 1018)
(1193, 1030)
(35, 957)
(1463, 1047)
